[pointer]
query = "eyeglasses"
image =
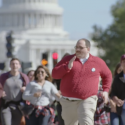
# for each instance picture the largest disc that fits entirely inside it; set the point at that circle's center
(40, 72)
(79, 47)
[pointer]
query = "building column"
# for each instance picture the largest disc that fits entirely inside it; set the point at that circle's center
(40, 20)
(59, 55)
(16, 20)
(1, 20)
(37, 20)
(38, 57)
(26, 22)
(32, 57)
(50, 61)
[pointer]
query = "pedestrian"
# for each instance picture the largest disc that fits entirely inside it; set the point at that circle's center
(117, 94)
(102, 116)
(118, 69)
(30, 75)
(79, 74)
(39, 93)
(12, 85)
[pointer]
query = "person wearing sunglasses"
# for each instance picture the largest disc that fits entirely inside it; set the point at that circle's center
(39, 93)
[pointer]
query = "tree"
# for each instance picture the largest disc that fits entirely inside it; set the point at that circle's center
(112, 39)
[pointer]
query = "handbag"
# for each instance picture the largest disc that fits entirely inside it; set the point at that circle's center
(25, 108)
(107, 108)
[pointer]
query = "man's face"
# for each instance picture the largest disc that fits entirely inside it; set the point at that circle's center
(123, 64)
(15, 65)
(81, 50)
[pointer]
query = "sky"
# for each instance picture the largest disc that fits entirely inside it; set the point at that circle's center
(80, 16)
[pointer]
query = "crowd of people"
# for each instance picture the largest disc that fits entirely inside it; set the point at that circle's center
(84, 94)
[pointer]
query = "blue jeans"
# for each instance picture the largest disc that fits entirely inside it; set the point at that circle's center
(27, 121)
(40, 120)
(117, 119)
(123, 117)
(10, 116)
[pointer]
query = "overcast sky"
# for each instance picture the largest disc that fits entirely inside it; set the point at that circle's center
(80, 15)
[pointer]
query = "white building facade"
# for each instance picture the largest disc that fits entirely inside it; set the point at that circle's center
(37, 27)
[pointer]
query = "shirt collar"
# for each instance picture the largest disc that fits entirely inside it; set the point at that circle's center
(85, 57)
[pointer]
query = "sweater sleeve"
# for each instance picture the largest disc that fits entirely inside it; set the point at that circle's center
(106, 76)
(1, 85)
(26, 79)
(61, 69)
(1, 88)
(27, 95)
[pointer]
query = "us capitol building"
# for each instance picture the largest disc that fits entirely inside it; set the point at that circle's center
(37, 27)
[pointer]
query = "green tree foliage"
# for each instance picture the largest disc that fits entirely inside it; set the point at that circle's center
(112, 39)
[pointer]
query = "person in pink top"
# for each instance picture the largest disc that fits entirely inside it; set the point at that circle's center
(79, 74)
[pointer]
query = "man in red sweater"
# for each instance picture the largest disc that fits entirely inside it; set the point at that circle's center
(79, 74)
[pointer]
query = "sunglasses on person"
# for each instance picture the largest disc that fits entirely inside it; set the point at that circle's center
(38, 72)
(79, 47)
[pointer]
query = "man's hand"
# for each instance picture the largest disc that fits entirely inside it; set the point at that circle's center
(118, 101)
(70, 65)
(23, 89)
(3, 94)
(105, 97)
(37, 94)
(60, 92)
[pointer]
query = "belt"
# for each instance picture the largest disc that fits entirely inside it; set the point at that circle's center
(11, 102)
(70, 100)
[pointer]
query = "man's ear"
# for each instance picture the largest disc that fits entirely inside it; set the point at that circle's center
(88, 49)
(20, 66)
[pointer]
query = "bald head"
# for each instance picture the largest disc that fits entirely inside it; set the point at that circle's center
(87, 42)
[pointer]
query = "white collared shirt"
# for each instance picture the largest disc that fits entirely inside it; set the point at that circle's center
(83, 60)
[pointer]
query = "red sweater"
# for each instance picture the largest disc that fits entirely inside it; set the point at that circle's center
(83, 79)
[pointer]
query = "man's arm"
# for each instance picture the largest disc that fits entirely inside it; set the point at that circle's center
(2, 92)
(61, 69)
(26, 81)
(106, 76)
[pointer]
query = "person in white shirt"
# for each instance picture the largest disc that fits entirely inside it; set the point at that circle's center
(39, 93)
